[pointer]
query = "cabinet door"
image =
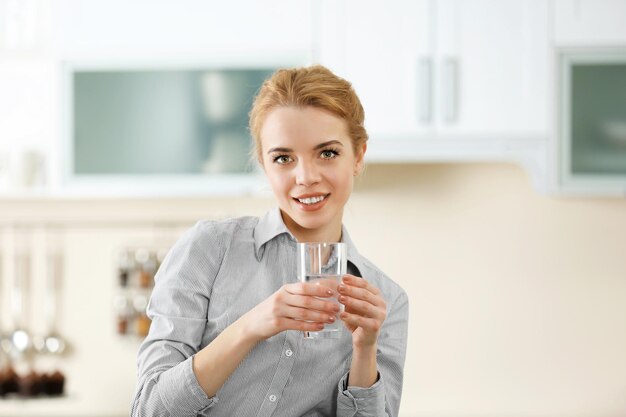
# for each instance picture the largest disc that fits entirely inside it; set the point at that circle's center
(388, 59)
(592, 129)
(491, 73)
(200, 29)
(590, 22)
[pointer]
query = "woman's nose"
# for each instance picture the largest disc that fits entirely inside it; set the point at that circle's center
(308, 173)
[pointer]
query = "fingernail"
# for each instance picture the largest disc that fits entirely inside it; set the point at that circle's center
(331, 319)
(342, 298)
(329, 292)
(341, 287)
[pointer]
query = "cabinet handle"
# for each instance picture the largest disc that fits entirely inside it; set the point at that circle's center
(450, 97)
(425, 90)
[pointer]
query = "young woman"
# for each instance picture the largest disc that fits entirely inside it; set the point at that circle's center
(227, 309)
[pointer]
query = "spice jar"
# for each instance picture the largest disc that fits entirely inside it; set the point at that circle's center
(143, 325)
(124, 312)
(142, 321)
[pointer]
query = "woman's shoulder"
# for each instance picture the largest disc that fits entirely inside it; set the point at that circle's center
(228, 227)
(217, 234)
(224, 226)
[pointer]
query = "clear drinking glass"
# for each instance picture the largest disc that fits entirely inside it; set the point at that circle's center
(323, 263)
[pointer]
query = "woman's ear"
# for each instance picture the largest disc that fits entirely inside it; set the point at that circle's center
(359, 159)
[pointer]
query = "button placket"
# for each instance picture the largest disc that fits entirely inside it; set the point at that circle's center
(292, 338)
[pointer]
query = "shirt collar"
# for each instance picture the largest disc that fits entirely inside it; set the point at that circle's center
(271, 225)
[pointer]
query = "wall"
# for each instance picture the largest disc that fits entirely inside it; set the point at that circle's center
(517, 300)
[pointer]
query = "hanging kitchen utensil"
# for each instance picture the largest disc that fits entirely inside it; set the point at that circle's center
(52, 342)
(20, 339)
(5, 342)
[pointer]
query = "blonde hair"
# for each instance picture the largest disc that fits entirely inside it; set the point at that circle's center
(314, 86)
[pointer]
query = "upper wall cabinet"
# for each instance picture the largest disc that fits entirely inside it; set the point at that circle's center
(588, 153)
(590, 22)
(385, 50)
(431, 73)
(199, 29)
(113, 98)
(490, 66)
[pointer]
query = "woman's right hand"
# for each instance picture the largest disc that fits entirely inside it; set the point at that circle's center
(293, 307)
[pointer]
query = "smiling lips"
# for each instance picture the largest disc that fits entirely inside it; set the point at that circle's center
(312, 202)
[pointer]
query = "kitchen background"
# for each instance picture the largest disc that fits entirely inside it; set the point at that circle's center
(513, 260)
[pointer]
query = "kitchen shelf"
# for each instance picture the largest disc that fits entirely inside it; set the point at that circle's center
(38, 406)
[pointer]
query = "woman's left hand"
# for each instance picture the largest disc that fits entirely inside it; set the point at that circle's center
(365, 310)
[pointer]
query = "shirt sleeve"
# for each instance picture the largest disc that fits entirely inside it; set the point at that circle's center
(382, 398)
(178, 309)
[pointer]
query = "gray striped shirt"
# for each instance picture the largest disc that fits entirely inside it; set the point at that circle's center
(217, 272)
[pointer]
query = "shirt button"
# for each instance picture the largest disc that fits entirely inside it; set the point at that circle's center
(288, 352)
(273, 398)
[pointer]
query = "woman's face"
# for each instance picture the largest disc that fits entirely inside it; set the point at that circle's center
(310, 163)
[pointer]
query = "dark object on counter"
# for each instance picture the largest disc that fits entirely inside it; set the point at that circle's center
(2, 383)
(43, 383)
(123, 275)
(29, 385)
(53, 383)
(8, 381)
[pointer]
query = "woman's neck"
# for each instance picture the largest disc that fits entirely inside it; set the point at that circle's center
(329, 233)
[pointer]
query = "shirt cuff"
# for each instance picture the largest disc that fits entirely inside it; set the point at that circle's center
(364, 401)
(180, 391)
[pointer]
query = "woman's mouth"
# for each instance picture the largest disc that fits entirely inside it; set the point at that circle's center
(311, 203)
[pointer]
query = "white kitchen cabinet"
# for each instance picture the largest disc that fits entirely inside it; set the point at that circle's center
(144, 35)
(491, 67)
(388, 57)
(440, 80)
(587, 150)
(590, 146)
(162, 28)
(589, 22)
(434, 75)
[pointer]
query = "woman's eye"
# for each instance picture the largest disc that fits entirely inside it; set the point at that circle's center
(281, 159)
(329, 153)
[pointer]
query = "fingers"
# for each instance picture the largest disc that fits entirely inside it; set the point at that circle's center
(361, 284)
(371, 325)
(308, 302)
(298, 313)
(308, 313)
(312, 303)
(358, 294)
(363, 308)
(311, 289)
(310, 296)
(292, 324)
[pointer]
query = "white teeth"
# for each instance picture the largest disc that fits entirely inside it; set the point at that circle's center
(311, 200)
